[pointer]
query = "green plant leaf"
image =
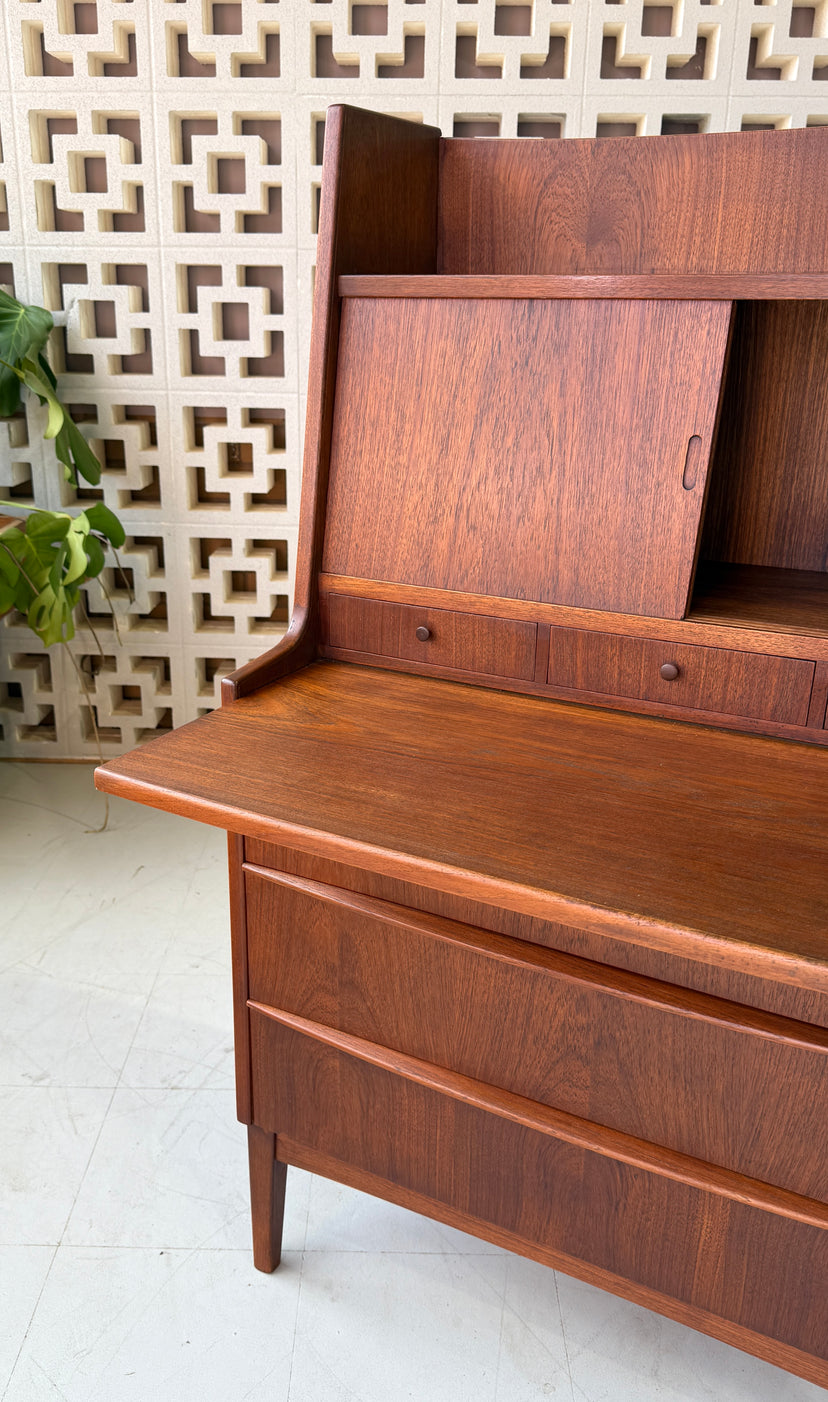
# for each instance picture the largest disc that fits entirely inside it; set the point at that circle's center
(24, 330)
(85, 460)
(34, 380)
(77, 561)
(48, 526)
(47, 370)
(56, 572)
(50, 616)
(7, 595)
(94, 555)
(106, 522)
(9, 392)
(9, 568)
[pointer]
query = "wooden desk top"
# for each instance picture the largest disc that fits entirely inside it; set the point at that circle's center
(705, 843)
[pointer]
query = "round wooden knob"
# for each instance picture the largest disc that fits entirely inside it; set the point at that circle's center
(669, 671)
(423, 633)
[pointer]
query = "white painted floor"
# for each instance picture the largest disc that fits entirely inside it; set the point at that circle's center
(125, 1271)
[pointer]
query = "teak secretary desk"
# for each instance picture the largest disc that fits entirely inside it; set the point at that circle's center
(527, 811)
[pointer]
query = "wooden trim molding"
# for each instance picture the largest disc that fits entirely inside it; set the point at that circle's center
(722, 287)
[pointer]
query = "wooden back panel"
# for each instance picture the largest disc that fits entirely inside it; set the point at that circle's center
(769, 491)
(664, 204)
(527, 449)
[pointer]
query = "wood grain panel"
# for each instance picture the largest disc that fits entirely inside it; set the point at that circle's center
(763, 1271)
(781, 1355)
(788, 1001)
(794, 601)
(703, 843)
(674, 286)
(642, 205)
(738, 1088)
(742, 607)
(545, 501)
(464, 641)
(769, 486)
(738, 683)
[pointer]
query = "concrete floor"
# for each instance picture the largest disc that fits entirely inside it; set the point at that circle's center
(125, 1270)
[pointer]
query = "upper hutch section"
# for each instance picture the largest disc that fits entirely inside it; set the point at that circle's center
(580, 387)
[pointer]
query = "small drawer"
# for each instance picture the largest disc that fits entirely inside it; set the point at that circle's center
(682, 674)
(466, 642)
(679, 1069)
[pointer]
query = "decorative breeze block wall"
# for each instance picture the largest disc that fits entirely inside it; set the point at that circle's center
(160, 168)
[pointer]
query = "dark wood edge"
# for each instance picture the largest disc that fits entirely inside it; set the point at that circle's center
(241, 990)
(683, 287)
(560, 1125)
(818, 711)
(774, 1351)
(604, 978)
(632, 705)
(735, 637)
(758, 959)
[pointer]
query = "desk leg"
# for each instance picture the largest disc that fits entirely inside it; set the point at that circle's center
(267, 1197)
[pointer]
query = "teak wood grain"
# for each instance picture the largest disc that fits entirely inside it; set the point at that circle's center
(792, 601)
(744, 683)
(717, 846)
(553, 973)
(781, 612)
(465, 642)
(544, 502)
(639, 205)
(755, 993)
(650, 1228)
(716, 1325)
(696, 1075)
(769, 484)
(653, 1159)
(671, 286)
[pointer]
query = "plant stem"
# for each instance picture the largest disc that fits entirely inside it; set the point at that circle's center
(88, 621)
(88, 697)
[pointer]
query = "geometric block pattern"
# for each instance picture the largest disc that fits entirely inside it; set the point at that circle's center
(160, 168)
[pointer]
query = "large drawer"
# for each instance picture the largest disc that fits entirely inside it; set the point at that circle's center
(415, 1134)
(742, 1089)
(700, 678)
(467, 642)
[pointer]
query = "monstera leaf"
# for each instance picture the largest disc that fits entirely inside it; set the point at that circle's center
(24, 332)
(45, 559)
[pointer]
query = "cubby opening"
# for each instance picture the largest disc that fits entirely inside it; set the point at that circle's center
(763, 560)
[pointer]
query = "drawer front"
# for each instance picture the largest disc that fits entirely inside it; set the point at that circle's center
(468, 642)
(681, 674)
(678, 1069)
(761, 1270)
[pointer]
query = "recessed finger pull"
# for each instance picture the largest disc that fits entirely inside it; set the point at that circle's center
(423, 634)
(669, 671)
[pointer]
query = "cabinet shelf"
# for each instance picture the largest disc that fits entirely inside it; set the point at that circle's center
(680, 287)
(755, 596)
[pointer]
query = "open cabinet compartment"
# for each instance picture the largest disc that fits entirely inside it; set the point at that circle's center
(764, 550)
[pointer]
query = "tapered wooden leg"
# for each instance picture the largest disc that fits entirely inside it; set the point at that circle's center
(267, 1197)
